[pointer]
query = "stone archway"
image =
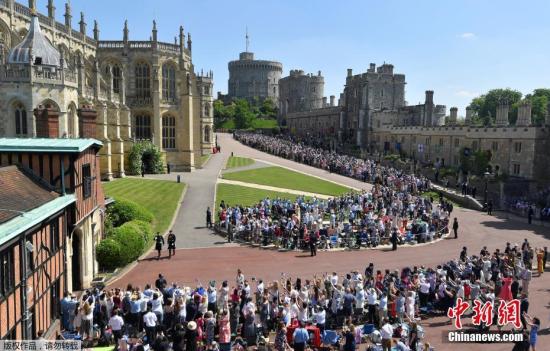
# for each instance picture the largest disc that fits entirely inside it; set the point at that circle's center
(145, 157)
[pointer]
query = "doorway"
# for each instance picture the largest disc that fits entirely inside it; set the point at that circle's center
(75, 262)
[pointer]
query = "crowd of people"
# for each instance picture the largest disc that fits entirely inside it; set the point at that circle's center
(367, 219)
(376, 306)
(393, 211)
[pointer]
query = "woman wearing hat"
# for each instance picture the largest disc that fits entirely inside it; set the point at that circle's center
(191, 336)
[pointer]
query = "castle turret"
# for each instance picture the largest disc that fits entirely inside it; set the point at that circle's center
(429, 107)
(524, 114)
(324, 101)
(332, 98)
(453, 116)
(125, 32)
(51, 9)
(96, 30)
(82, 23)
(154, 32)
(502, 114)
(182, 40)
(68, 16)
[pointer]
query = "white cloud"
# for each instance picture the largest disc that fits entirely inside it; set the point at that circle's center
(466, 93)
(467, 35)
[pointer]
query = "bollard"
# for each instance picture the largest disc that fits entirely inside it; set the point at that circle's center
(179, 179)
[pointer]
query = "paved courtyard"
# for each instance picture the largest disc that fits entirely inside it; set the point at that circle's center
(202, 255)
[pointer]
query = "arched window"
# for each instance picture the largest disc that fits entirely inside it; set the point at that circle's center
(20, 120)
(143, 80)
(168, 82)
(143, 127)
(168, 132)
(207, 134)
(117, 79)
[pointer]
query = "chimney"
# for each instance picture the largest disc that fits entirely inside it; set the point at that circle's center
(454, 115)
(502, 114)
(350, 72)
(372, 67)
(332, 98)
(87, 115)
(47, 122)
(469, 113)
(524, 114)
(324, 101)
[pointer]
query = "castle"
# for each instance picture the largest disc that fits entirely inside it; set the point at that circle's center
(253, 80)
(58, 82)
(372, 115)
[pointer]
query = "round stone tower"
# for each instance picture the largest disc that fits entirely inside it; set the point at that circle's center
(301, 92)
(254, 79)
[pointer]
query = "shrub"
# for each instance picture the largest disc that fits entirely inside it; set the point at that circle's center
(153, 158)
(145, 229)
(108, 254)
(131, 241)
(123, 211)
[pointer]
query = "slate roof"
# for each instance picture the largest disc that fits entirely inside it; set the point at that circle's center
(20, 193)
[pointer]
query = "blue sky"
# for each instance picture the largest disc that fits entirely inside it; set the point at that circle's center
(459, 49)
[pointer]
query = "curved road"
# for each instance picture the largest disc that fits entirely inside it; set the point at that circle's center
(476, 230)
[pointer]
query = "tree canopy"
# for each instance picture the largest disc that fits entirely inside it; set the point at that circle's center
(241, 114)
(485, 105)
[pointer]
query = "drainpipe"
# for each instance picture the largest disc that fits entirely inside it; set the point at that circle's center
(26, 313)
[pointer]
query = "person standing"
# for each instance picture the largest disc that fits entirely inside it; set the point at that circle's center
(386, 333)
(208, 217)
(150, 322)
(490, 208)
(301, 337)
(530, 214)
(313, 244)
(394, 239)
(159, 240)
(455, 227)
(171, 244)
(116, 323)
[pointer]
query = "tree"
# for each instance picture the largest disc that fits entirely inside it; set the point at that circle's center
(268, 108)
(539, 104)
(222, 112)
(243, 115)
(485, 106)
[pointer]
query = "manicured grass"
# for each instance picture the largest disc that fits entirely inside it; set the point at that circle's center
(283, 178)
(161, 197)
(246, 196)
(260, 123)
(234, 162)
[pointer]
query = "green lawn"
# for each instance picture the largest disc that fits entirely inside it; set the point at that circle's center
(283, 178)
(242, 195)
(234, 162)
(161, 197)
(259, 123)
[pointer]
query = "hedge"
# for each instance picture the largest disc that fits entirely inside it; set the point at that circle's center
(144, 229)
(108, 254)
(123, 211)
(131, 241)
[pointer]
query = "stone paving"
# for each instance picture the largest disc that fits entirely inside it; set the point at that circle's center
(476, 230)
